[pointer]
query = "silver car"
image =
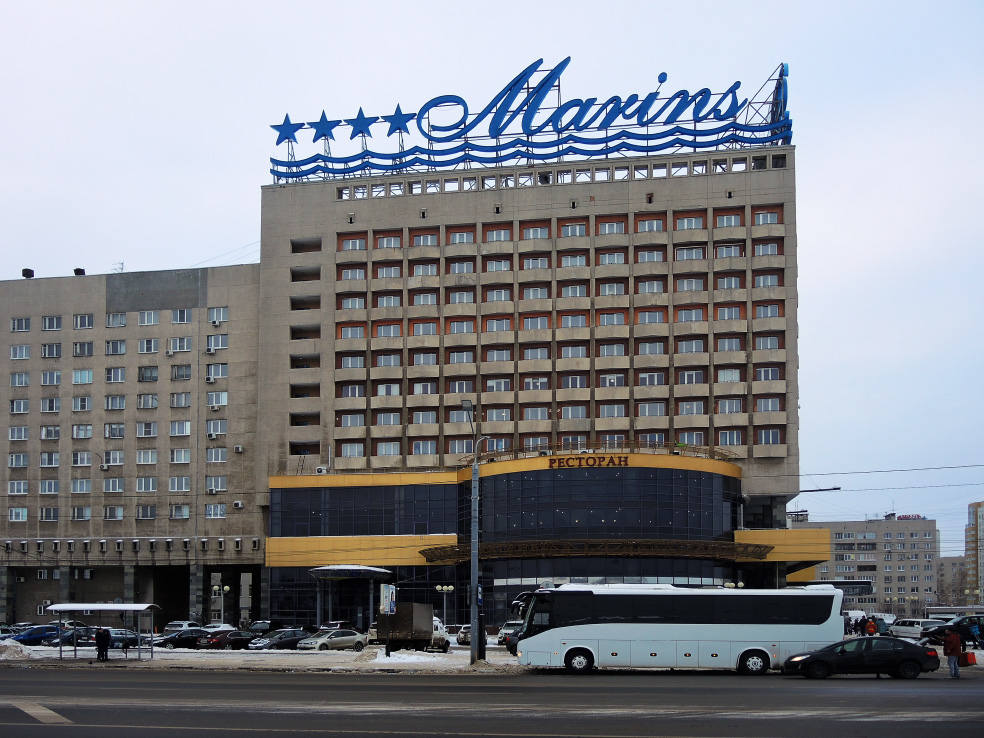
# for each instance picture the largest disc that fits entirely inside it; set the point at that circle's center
(334, 640)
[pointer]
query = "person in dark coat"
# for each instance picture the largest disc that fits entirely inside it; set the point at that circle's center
(102, 644)
(952, 646)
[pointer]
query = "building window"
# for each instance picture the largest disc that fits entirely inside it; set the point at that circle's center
(19, 432)
(81, 458)
(691, 407)
(611, 410)
(146, 484)
(611, 349)
(611, 257)
(146, 373)
(689, 253)
(148, 317)
(115, 320)
(539, 322)
(573, 260)
(113, 512)
(728, 221)
(770, 310)
(498, 384)
(690, 315)
(729, 375)
(116, 374)
(113, 430)
(82, 320)
(606, 229)
(573, 229)
(180, 428)
(652, 379)
(691, 438)
(497, 265)
(768, 436)
(690, 346)
(766, 218)
(691, 376)
(573, 351)
(462, 326)
(573, 412)
(535, 233)
(766, 249)
(729, 313)
(610, 318)
(20, 351)
(20, 379)
(50, 378)
(766, 280)
(607, 289)
(19, 407)
(353, 450)
(730, 405)
(690, 223)
(651, 409)
(50, 404)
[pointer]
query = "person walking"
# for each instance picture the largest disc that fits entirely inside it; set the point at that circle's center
(871, 627)
(951, 649)
(975, 633)
(102, 644)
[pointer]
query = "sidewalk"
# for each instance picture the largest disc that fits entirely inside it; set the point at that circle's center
(372, 659)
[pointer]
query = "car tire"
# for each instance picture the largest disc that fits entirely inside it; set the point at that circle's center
(359, 645)
(753, 663)
(169, 646)
(446, 647)
(579, 661)
(817, 670)
(908, 670)
(323, 647)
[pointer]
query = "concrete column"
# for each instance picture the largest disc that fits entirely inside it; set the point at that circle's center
(64, 583)
(196, 585)
(264, 593)
(245, 598)
(6, 595)
(129, 589)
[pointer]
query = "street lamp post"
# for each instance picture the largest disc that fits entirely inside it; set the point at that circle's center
(444, 590)
(469, 407)
(221, 592)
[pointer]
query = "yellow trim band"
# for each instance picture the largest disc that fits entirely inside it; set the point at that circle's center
(311, 551)
(512, 466)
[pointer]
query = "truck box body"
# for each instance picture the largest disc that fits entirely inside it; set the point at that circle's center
(411, 626)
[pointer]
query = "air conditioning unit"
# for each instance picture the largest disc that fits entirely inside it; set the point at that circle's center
(209, 350)
(321, 470)
(211, 490)
(238, 504)
(20, 580)
(169, 353)
(238, 449)
(209, 380)
(216, 323)
(212, 436)
(214, 408)
(104, 467)
(45, 602)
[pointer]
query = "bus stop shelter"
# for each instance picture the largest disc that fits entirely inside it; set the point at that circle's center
(144, 613)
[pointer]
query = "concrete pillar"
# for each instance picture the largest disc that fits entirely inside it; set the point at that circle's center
(264, 593)
(245, 598)
(64, 583)
(129, 589)
(6, 595)
(196, 585)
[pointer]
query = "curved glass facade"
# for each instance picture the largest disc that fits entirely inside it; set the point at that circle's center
(634, 502)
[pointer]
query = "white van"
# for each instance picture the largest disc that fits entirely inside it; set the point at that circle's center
(911, 628)
(440, 639)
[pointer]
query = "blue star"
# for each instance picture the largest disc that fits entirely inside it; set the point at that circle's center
(398, 121)
(323, 128)
(286, 131)
(360, 124)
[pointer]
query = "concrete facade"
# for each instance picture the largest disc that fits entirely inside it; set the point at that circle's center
(951, 575)
(974, 551)
(134, 397)
(899, 555)
(364, 286)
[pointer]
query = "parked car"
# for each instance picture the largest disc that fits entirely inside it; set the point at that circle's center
(908, 628)
(211, 627)
(35, 635)
(338, 625)
(332, 640)
(371, 633)
(21, 627)
(7, 630)
(960, 624)
(68, 623)
(283, 638)
(440, 640)
(512, 641)
(122, 638)
(181, 625)
(259, 627)
(875, 655)
(229, 640)
(83, 637)
(216, 639)
(464, 636)
(506, 628)
(183, 638)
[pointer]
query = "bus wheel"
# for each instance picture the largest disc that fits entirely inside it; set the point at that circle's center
(753, 663)
(579, 661)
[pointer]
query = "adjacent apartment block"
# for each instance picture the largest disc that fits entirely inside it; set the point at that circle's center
(974, 551)
(898, 554)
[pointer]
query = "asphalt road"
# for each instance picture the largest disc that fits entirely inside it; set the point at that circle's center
(112, 702)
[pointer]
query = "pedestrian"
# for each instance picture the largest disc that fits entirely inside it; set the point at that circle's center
(951, 649)
(871, 627)
(847, 625)
(102, 644)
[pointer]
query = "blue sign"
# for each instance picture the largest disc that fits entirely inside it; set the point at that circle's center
(523, 122)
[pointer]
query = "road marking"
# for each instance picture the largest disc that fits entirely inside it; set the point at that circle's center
(41, 714)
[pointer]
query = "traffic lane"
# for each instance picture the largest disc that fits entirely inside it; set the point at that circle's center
(588, 721)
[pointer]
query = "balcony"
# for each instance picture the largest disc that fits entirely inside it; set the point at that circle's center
(731, 295)
(730, 357)
(423, 283)
(388, 431)
(503, 307)
(777, 261)
(652, 422)
(491, 248)
(575, 425)
(612, 362)
(649, 361)
(416, 253)
(388, 284)
(385, 343)
(603, 302)
(612, 271)
(489, 278)
(465, 309)
(428, 401)
(774, 294)
(690, 390)
(650, 238)
(604, 425)
(349, 403)
(690, 236)
(573, 365)
(423, 461)
(771, 451)
(692, 327)
(770, 418)
(731, 264)
(386, 402)
(608, 394)
(651, 330)
(769, 356)
(423, 311)
(426, 430)
(694, 359)
(533, 426)
(531, 397)
(498, 398)
(730, 420)
(723, 389)
(772, 387)
(774, 230)
(573, 395)
(686, 422)
(768, 324)
(610, 332)
(538, 305)
(651, 392)
(497, 367)
(346, 433)
(730, 233)
(386, 372)
(464, 369)
(423, 371)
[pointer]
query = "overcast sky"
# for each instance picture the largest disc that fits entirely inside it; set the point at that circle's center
(138, 132)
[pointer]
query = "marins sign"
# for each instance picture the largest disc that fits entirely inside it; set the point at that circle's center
(520, 123)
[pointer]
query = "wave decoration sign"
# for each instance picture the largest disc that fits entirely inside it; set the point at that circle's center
(527, 122)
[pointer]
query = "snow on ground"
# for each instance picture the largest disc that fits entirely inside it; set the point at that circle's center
(372, 659)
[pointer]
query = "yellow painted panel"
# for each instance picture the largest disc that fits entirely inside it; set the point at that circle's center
(809, 574)
(364, 550)
(512, 466)
(801, 544)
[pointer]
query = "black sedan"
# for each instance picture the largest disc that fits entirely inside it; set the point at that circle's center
(959, 624)
(187, 638)
(893, 656)
(285, 638)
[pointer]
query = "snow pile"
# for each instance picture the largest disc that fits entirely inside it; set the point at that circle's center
(10, 650)
(407, 657)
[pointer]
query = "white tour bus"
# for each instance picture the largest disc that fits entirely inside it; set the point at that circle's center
(646, 625)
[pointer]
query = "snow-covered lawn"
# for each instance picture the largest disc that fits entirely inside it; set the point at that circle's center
(371, 659)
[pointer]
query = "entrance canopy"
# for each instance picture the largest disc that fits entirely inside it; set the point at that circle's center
(348, 571)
